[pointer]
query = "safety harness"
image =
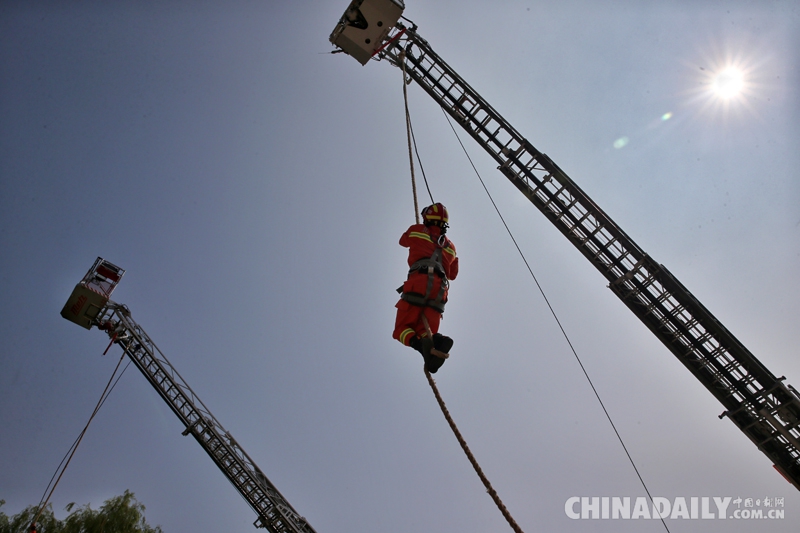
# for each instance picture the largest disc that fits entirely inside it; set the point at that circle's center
(433, 267)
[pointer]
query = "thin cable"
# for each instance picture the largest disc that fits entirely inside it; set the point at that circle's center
(410, 128)
(412, 140)
(419, 160)
(79, 436)
(555, 316)
(408, 135)
(74, 447)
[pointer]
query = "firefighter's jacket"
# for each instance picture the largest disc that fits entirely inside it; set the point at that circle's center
(432, 263)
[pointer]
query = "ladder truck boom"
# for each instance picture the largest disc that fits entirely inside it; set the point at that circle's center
(90, 305)
(759, 403)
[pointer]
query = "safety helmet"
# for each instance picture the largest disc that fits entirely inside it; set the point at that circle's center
(435, 215)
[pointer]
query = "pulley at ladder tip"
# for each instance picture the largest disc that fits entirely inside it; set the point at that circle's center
(432, 264)
(365, 26)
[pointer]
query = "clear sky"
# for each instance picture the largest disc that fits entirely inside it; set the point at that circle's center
(254, 187)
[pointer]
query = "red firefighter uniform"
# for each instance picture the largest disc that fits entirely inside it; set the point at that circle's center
(432, 262)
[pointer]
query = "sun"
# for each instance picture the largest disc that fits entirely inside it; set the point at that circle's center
(729, 83)
(725, 80)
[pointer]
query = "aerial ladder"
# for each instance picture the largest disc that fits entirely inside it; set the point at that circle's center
(90, 305)
(759, 403)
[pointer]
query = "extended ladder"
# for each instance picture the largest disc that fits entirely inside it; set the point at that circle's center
(90, 306)
(761, 405)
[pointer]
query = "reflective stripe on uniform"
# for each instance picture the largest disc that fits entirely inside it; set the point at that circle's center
(425, 237)
(420, 235)
(406, 336)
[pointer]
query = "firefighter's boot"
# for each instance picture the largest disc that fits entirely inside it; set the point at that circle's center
(424, 346)
(443, 343)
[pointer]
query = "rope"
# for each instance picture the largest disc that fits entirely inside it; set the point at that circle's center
(408, 134)
(477, 467)
(555, 316)
(419, 160)
(74, 447)
(472, 460)
(413, 139)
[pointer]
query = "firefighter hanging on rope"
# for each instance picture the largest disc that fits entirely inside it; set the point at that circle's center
(432, 263)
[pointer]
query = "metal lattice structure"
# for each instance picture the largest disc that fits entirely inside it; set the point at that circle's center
(761, 405)
(274, 512)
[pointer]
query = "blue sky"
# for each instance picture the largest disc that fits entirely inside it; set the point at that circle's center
(254, 188)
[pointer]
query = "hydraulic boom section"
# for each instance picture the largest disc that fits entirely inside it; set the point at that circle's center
(274, 512)
(761, 405)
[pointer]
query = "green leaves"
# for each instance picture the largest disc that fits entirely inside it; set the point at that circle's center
(120, 514)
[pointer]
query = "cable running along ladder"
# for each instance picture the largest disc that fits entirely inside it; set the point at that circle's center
(760, 404)
(89, 305)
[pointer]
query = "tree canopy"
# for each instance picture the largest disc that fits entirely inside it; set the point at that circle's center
(120, 514)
